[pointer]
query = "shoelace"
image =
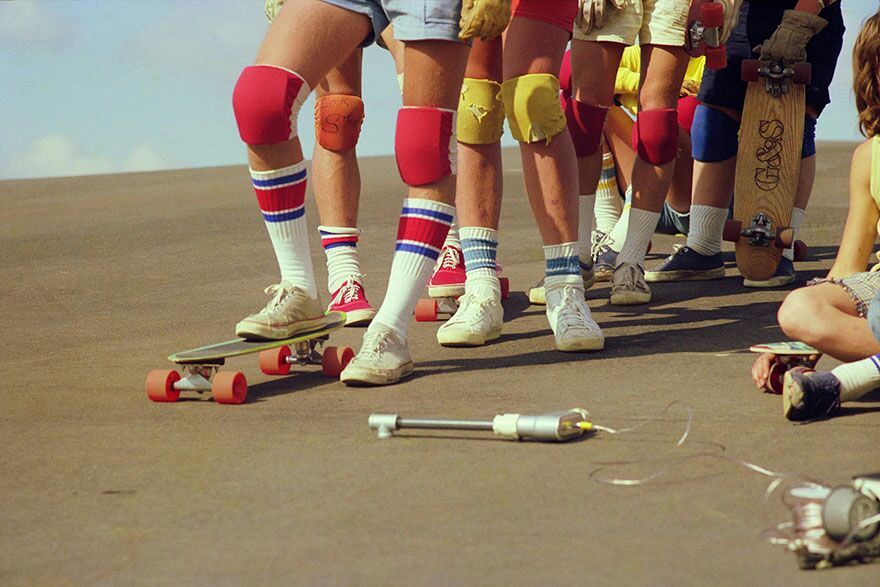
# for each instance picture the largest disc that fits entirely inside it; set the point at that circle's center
(278, 293)
(630, 279)
(599, 243)
(374, 344)
(349, 291)
(568, 316)
(450, 258)
(471, 309)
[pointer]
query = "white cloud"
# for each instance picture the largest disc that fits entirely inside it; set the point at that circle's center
(59, 155)
(30, 21)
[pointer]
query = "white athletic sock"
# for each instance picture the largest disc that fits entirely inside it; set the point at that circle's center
(281, 195)
(608, 202)
(797, 219)
(479, 247)
(858, 378)
(618, 233)
(707, 227)
(421, 232)
(340, 246)
(642, 224)
(585, 226)
(561, 265)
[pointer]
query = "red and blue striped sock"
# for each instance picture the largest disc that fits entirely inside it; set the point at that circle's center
(281, 195)
(340, 246)
(420, 233)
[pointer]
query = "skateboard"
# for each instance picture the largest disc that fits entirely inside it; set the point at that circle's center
(767, 166)
(199, 367)
(703, 34)
(786, 356)
(431, 308)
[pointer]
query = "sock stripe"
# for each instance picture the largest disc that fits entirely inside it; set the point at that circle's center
(876, 360)
(411, 212)
(284, 216)
(418, 248)
(563, 266)
(268, 184)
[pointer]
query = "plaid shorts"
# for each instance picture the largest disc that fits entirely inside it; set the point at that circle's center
(862, 288)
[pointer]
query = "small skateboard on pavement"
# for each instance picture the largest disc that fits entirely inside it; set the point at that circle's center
(429, 309)
(703, 34)
(768, 164)
(199, 367)
(787, 355)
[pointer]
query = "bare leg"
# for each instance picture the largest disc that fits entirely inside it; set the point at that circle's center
(824, 316)
(679, 195)
(713, 182)
(618, 136)
(550, 170)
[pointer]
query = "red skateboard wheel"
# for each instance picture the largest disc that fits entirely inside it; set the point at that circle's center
(505, 287)
(750, 69)
(712, 15)
(160, 385)
(732, 230)
(716, 57)
(426, 310)
(803, 73)
(229, 387)
(776, 378)
(335, 359)
(274, 361)
(800, 250)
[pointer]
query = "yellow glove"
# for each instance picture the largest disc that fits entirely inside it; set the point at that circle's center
(788, 43)
(485, 19)
(272, 7)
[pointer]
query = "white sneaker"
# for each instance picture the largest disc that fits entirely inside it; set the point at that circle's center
(538, 297)
(477, 321)
(383, 359)
(571, 320)
(290, 312)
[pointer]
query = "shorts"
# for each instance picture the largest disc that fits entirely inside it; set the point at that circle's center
(874, 316)
(662, 22)
(672, 222)
(413, 20)
(758, 20)
(861, 287)
(560, 12)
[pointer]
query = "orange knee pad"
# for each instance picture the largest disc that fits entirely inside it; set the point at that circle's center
(338, 119)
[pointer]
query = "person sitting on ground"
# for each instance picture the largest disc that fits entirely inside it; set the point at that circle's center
(829, 314)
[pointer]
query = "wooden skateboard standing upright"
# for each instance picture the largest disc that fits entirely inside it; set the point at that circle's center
(768, 164)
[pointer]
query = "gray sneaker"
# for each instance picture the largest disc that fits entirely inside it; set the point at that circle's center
(291, 311)
(383, 359)
(628, 286)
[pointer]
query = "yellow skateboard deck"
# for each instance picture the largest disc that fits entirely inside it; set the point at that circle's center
(768, 164)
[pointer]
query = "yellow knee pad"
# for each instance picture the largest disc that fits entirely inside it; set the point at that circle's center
(531, 103)
(480, 112)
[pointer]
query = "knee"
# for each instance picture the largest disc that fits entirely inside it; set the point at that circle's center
(266, 102)
(480, 118)
(658, 94)
(425, 144)
(585, 124)
(338, 120)
(797, 316)
(655, 135)
(531, 104)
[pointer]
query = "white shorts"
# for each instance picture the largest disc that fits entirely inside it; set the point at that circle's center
(662, 22)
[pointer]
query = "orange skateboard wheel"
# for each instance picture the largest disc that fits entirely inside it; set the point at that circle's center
(750, 70)
(274, 361)
(732, 230)
(803, 73)
(426, 310)
(335, 359)
(229, 387)
(800, 250)
(160, 385)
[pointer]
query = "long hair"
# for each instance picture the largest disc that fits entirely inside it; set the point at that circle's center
(866, 76)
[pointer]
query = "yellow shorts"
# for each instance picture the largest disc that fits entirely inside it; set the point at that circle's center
(662, 22)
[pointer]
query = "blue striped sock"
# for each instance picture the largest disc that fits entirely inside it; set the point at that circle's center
(479, 246)
(562, 265)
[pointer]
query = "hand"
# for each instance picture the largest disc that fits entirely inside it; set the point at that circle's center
(689, 88)
(485, 19)
(761, 369)
(788, 43)
(272, 7)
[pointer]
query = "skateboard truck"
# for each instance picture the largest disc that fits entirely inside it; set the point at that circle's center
(777, 76)
(760, 232)
(552, 427)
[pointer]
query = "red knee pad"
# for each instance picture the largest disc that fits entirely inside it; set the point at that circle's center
(655, 135)
(687, 107)
(585, 124)
(565, 74)
(338, 119)
(425, 144)
(266, 102)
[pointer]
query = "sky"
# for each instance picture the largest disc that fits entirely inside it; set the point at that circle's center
(109, 86)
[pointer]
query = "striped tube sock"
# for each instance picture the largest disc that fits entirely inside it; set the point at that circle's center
(585, 226)
(420, 233)
(642, 224)
(281, 195)
(562, 266)
(479, 246)
(340, 246)
(707, 227)
(618, 233)
(608, 204)
(858, 378)
(797, 219)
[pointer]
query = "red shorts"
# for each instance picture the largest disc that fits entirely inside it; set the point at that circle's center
(560, 13)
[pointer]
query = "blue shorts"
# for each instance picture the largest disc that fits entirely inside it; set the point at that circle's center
(672, 221)
(757, 21)
(413, 20)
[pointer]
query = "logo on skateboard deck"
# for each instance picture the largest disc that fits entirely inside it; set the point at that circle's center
(770, 154)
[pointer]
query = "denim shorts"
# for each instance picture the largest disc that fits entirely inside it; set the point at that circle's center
(413, 20)
(758, 20)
